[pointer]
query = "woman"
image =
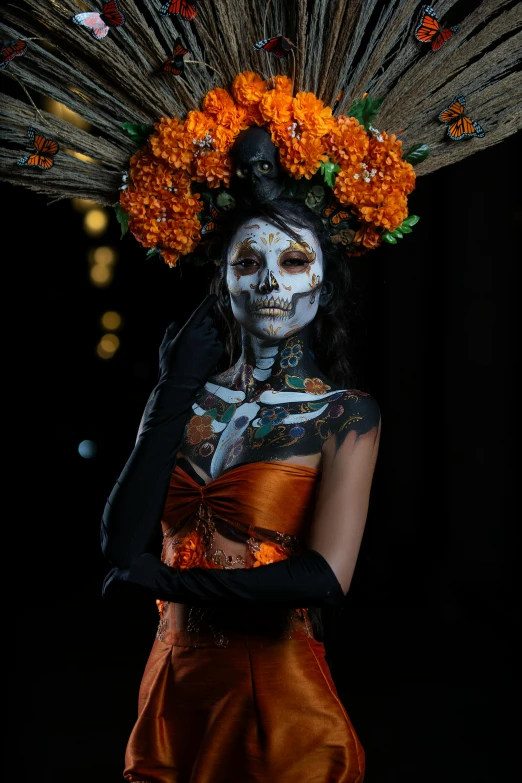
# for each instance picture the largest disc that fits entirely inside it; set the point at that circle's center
(263, 518)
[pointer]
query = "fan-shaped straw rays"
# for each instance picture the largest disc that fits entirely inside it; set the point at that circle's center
(350, 44)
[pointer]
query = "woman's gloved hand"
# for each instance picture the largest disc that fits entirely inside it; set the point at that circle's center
(187, 357)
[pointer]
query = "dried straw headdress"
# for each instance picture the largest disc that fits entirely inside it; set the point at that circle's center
(343, 52)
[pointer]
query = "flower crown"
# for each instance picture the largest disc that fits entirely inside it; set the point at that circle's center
(352, 174)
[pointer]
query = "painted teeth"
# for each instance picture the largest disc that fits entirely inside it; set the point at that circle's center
(278, 304)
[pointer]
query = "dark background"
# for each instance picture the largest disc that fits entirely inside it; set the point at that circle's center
(423, 652)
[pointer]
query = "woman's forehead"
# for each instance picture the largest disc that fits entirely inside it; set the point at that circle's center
(263, 232)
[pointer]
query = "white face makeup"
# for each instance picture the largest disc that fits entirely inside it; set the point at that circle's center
(274, 281)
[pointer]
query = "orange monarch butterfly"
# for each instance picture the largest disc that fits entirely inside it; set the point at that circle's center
(99, 24)
(176, 64)
(211, 224)
(278, 45)
(182, 8)
(430, 31)
(335, 212)
(46, 149)
(459, 125)
(11, 49)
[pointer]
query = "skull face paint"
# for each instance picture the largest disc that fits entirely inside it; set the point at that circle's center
(274, 282)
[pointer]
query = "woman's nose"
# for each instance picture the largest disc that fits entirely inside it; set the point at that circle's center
(269, 283)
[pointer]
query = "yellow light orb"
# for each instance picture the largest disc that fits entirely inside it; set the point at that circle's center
(95, 221)
(83, 204)
(110, 342)
(102, 353)
(100, 275)
(102, 255)
(111, 320)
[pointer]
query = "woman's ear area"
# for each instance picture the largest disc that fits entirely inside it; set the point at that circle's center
(327, 291)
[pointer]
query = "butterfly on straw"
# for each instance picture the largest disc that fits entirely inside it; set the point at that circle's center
(335, 212)
(459, 125)
(278, 45)
(9, 50)
(46, 149)
(99, 24)
(429, 30)
(176, 64)
(182, 8)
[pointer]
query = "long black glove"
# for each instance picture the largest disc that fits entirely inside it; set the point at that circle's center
(302, 580)
(133, 511)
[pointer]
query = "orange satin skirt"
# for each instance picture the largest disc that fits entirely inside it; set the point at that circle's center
(258, 710)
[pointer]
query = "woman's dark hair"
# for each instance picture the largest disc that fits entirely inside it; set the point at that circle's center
(330, 334)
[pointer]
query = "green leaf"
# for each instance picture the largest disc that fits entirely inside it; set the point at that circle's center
(264, 430)
(329, 170)
(411, 220)
(406, 229)
(138, 133)
(417, 154)
(228, 413)
(153, 251)
(388, 237)
(365, 110)
(314, 406)
(397, 233)
(212, 412)
(122, 218)
(294, 382)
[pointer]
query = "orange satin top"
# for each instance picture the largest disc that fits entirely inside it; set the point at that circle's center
(277, 496)
(251, 515)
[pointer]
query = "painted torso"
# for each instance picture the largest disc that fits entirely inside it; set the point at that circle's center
(274, 404)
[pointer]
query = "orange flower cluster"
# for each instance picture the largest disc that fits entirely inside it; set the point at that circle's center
(161, 201)
(376, 187)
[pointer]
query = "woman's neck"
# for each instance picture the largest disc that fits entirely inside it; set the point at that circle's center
(264, 364)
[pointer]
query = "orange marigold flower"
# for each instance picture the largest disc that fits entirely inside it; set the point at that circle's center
(367, 236)
(248, 88)
(215, 101)
(348, 142)
(171, 257)
(312, 115)
(161, 606)
(214, 168)
(377, 187)
(253, 115)
(220, 105)
(190, 552)
(224, 138)
(315, 386)
(172, 144)
(301, 156)
(199, 428)
(199, 126)
(277, 107)
(283, 84)
(269, 553)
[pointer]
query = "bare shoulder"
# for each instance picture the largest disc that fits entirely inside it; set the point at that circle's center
(353, 412)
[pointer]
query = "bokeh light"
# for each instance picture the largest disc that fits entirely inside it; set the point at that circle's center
(102, 255)
(83, 204)
(63, 111)
(87, 449)
(110, 342)
(111, 320)
(100, 275)
(95, 221)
